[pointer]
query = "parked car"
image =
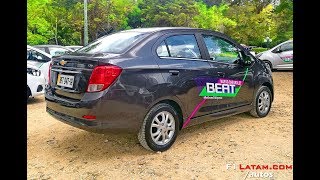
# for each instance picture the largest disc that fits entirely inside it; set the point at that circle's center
(40, 59)
(156, 81)
(54, 50)
(74, 47)
(279, 57)
(35, 81)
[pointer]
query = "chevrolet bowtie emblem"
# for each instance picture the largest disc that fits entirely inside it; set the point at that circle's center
(63, 62)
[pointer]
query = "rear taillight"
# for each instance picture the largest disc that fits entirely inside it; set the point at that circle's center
(102, 77)
(89, 117)
(49, 74)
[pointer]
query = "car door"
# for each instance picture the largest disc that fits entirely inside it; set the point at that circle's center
(231, 85)
(182, 63)
(285, 53)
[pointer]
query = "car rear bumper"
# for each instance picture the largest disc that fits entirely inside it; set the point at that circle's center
(111, 115)
(73, 121)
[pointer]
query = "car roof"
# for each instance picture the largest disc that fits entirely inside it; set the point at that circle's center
(48, 45)
(52, 45)
(157, 29)
(39, 50)
(291, 40)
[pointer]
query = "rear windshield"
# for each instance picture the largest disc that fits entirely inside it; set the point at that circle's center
(114, 43)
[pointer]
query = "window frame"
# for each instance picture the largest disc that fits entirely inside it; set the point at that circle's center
(280, 47)
(170, 34)
(45, 58)
(223, 38)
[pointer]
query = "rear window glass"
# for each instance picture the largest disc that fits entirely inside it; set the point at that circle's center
(114, 43)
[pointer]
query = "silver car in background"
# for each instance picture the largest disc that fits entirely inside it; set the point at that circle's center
(279, 57)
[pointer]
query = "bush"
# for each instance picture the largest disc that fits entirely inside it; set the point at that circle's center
(259, 49)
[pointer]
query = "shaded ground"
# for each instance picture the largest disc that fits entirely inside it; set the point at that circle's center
(59, 151)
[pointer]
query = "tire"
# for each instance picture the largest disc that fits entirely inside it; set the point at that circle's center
(28, 92)
(268, 64)
(262, 102)
(159, 141)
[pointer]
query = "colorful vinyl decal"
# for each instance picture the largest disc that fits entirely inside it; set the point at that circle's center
(216, 88)
(287, 59)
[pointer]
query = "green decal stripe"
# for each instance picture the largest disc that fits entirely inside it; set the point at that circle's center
(245, 75)
(205, 93)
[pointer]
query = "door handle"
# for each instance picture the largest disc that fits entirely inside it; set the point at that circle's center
(221, 74)
(174, 72)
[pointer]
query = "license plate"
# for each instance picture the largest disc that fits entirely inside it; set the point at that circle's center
(65, 80)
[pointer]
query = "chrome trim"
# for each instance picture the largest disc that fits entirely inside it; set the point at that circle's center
(189, 59)
(66, 71)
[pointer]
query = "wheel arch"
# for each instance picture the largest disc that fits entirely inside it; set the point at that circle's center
(269, 62)
(175, 103)
(29, 91)
(265, 82)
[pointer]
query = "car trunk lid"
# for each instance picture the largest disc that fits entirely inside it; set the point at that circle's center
(70, 74)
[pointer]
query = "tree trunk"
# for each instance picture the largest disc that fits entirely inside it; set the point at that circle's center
(56, 33)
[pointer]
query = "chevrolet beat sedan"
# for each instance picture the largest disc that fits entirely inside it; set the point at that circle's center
(157, 81)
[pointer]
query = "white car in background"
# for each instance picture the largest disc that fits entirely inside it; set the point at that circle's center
(35, 81)
(279, 57)
(74, 47)
(40, 59)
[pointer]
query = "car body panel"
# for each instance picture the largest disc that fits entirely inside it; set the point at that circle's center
(33, 82)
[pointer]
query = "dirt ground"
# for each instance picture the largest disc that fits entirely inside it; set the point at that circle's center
(59, 151)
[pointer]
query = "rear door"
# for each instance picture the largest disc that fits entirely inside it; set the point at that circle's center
(182, 64)
(286, 56)
(231, 84)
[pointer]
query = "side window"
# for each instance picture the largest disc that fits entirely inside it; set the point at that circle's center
(221, 50)
(34, 55)
(183, 46)
(162, 50)
(287, 47)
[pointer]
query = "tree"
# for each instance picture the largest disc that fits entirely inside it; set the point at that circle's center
(251, 27)
(213, 17)
(168, 13)
(284, 21)
(39, 29)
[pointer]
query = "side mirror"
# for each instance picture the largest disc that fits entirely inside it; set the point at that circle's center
(246, 59)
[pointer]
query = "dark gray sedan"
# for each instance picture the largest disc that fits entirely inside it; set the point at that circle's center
(157, 81)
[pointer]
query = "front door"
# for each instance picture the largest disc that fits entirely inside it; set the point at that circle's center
(285, 56)
(232, 83)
